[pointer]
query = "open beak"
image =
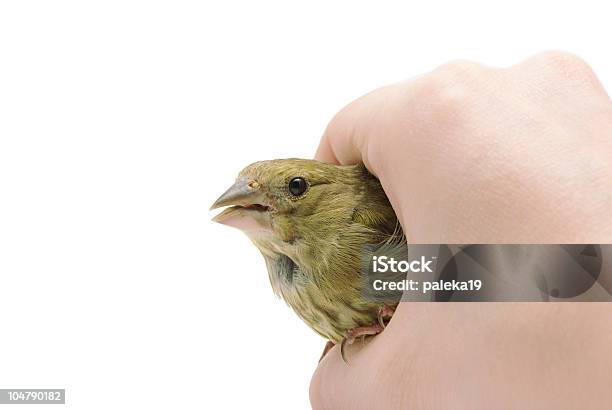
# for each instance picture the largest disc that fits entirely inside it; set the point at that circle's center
(247, 209)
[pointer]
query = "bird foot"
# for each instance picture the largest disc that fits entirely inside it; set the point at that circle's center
(385, 312)
(327, 348)
(356, 332)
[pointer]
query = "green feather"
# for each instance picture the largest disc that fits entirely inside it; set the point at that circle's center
(315, 250)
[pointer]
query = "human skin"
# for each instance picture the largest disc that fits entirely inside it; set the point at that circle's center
(473, 154)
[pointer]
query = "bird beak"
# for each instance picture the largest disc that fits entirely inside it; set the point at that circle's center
(247, 206)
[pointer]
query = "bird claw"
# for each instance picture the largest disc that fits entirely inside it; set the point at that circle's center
(385, 312)
(356, 332)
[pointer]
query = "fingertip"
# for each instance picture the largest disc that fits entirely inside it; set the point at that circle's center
(325, 152)
(338, 144)
(338, 148)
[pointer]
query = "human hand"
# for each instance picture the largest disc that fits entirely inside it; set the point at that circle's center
(470, 154)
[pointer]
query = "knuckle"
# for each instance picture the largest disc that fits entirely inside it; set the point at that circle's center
(460, 66)
(449, 86)
(460, 69)
(453, 82)
(566, 67)
(561, 59)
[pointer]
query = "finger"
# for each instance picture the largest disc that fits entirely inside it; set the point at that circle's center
(346, 138)
(338, 144)
(333, 383)
(324, 151)
(567, 68)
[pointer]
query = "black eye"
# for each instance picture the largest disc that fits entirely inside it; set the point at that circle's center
(297, 186)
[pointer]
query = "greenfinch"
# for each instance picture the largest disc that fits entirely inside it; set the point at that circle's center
(312, 221)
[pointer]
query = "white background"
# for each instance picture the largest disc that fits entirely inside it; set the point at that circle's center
(122, 121)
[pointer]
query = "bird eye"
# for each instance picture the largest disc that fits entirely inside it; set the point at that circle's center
(297, 186)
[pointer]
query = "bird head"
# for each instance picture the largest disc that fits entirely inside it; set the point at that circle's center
(279, 202)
